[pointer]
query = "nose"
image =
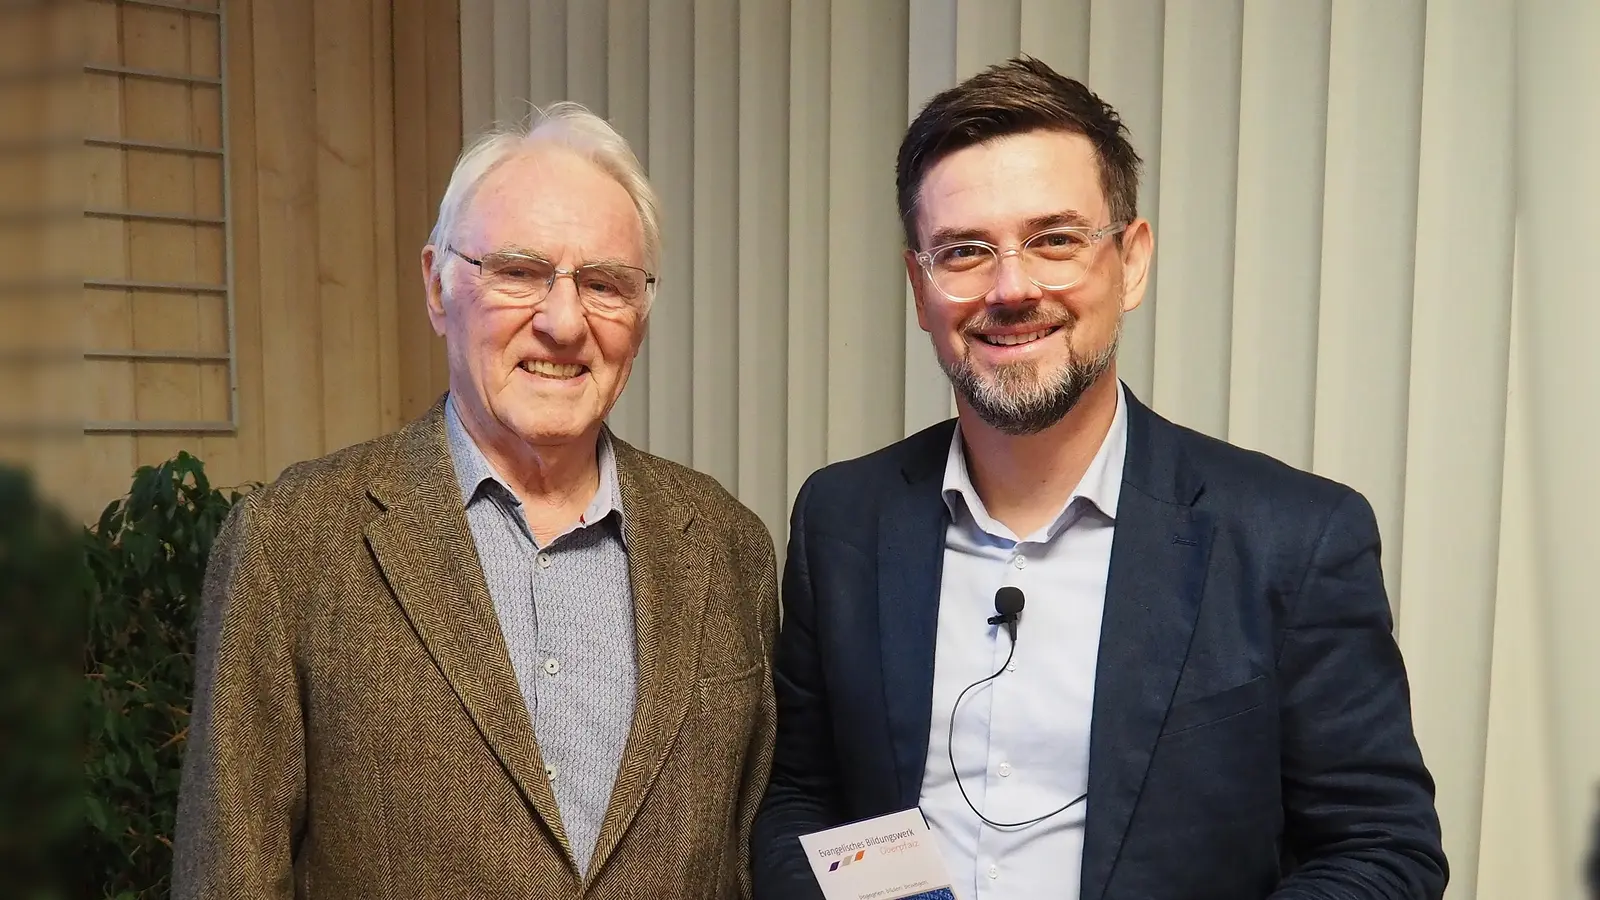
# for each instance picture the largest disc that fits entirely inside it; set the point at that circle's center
(1011, 281)
(560, 315)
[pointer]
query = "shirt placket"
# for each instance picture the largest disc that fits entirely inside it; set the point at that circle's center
(992, 842)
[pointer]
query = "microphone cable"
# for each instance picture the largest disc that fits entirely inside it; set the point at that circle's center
(950, 743)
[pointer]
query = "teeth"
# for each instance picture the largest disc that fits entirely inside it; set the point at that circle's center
(1009, 340)
(553, 370)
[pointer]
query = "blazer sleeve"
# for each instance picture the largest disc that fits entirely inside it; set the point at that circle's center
(800, 796)
(758, 765)
(241, 797)
(1358, 802)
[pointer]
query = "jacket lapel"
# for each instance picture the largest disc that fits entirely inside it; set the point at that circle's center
(1153, 591)
(670, 576)
(422, 544)
(911, 528)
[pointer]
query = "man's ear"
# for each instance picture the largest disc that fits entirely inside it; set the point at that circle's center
(433, 288)
(1138, 248)
(918, 286)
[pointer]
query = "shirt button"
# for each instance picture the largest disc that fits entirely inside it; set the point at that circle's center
(1011, 667)
(544, 560)
(994, 871)
(1005, 770)
(550, 772)
(551, 667)
(1020, 562)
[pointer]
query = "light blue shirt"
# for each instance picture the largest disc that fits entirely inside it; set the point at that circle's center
(566, 613)
(1022, 740)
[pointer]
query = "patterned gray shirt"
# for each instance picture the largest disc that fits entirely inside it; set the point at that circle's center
(566, 611)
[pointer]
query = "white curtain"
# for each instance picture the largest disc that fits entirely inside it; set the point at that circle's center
(1377, 257)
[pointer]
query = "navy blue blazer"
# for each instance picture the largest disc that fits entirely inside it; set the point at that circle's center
(1251, 734)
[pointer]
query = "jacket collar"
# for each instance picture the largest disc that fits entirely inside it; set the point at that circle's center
(424, 549)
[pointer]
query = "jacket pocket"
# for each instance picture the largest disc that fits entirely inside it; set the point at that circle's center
(1216, 707)
(728, 690)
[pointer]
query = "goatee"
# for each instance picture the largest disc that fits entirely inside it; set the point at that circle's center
(1014, 398)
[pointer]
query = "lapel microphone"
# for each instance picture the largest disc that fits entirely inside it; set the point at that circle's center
(1008, 612)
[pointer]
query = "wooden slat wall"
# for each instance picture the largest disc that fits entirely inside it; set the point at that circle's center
(344, 120)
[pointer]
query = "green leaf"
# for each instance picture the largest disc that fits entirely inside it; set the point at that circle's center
(144, 567)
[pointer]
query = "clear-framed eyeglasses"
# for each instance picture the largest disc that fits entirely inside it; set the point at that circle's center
(1054, 259)
(604, 288)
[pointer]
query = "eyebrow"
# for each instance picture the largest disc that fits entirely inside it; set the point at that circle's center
(605, 262)
(513, 250)
(1067, 218)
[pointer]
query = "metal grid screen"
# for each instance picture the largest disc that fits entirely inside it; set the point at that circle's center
(159, 216)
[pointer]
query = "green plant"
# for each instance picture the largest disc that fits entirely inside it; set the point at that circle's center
(41, 629)
(147, 556)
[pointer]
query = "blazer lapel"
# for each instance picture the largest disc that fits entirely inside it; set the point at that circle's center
(423, 546)
(1153, 591)
(670, 576)
(911, 528)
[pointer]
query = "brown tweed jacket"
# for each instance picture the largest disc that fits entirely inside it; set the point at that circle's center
(358, 730)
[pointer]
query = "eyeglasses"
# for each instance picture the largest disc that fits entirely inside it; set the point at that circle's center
(1055, 259)
(605, 288)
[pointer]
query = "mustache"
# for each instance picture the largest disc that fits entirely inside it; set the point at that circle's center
(1011, 317)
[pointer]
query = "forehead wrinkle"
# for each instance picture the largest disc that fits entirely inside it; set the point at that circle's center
(552, 195)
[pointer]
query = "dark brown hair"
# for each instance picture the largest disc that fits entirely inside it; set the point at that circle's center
(1014, 97)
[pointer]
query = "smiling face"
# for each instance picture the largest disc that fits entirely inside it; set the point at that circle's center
(543, 374)
(1021, 356)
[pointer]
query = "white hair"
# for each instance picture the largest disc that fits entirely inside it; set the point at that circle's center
(566, 124)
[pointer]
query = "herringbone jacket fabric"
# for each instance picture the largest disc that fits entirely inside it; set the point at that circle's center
(358, 730)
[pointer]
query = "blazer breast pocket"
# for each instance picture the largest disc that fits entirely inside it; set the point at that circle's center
(1215, 707)
(728, 690)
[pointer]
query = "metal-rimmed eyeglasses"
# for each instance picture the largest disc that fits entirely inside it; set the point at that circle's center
(604, 287)
(1054, 259)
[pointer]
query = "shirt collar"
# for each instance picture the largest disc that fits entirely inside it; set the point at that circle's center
(474, 471)
(1100, 486)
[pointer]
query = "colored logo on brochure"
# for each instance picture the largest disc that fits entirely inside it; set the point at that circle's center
(847, 860)
(905, 860)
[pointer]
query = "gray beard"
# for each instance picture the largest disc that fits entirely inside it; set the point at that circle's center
(1015, 400)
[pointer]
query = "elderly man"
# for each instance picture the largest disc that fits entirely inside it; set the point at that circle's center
(1107, 657)
(499, 653)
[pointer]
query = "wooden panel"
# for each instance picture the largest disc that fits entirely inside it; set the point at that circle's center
(383, 208)
(238, 458)
(427, 138)
(111, 459)
(443, 129)
(336, 157)
(412, 216)
(287, 193)
(158, 39)
(347, 257)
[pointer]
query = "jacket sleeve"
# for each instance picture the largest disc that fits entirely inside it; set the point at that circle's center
(1360, 822)
(241, 799)
(800, 796)
(758, 766)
